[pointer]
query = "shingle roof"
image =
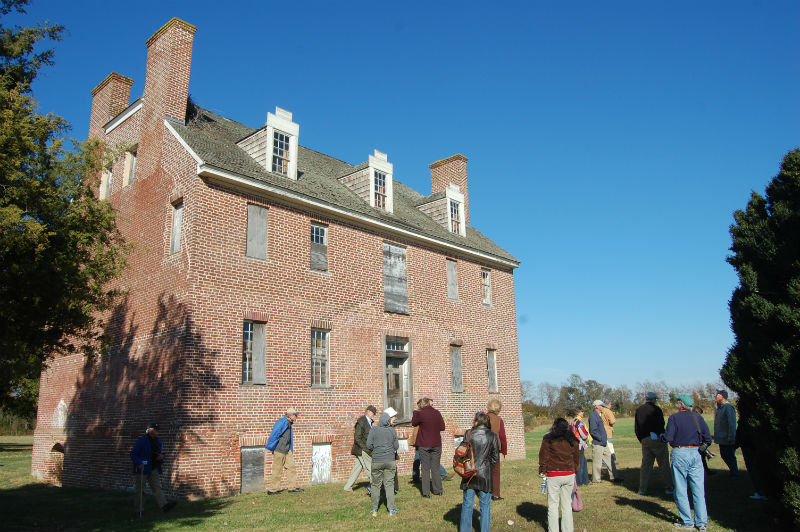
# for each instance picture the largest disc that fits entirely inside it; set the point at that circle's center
(213, 139)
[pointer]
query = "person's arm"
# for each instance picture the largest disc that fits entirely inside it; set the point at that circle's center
(503, 441)
(441, 421)
(669, 433)
(584, 434)
(576, 458)
(494, 449)
(544, 455)
(136, 454)
(370, 441)
(705, 434)
(396, 441)
(415, 418)
(731, 424)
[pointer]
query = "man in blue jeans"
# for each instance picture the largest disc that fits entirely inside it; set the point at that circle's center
(686, 431)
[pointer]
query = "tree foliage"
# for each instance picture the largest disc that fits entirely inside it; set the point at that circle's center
(764, 363)
(59, 245)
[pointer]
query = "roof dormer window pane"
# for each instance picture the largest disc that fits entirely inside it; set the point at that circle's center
(380, 190)
(455, 219)
(280, 153)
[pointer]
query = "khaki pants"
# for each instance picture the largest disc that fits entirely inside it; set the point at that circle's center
(281, 461)
(559, 495)
(362, 462)
(383, 475)
(600, 453)
(154, 479)
(654, 450)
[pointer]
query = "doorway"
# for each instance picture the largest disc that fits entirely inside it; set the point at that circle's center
(397, 376)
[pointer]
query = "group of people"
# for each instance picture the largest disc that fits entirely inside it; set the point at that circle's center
(562, 458)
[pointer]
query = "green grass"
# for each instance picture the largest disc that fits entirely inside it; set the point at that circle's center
(28, 505)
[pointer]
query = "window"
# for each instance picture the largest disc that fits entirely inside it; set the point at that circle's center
(280, 153)
(130, 168)
(455, 218)
(256, 232)
(455, 368)
(491, 367)
(397, 375)
(319, 247)
(380, 190)
(105, 184)
(395, 285)
(175, 236)
(452, 279)
(253, 353)
(320, 357)
(486, 286)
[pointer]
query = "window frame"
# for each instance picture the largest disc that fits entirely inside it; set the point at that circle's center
(455, 216)
(281, 152)
(249, 375)
(324, 356)
(319, 247)
(176, 227)
(381, 192)
(457, 386)
(491, 370)
(254, 247)
(486, 286)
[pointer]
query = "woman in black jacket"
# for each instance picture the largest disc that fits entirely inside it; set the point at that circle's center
(486, 449)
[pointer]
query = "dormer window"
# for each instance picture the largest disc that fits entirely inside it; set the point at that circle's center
(455, 217)
(380, 190)
(280, 153)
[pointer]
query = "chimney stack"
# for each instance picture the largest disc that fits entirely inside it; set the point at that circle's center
(109, 99)
(451, 170)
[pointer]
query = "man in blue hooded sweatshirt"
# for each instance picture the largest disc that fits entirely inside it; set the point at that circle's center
(281, 444)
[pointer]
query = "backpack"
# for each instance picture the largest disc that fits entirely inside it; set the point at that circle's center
(464, 459)
(574, 427)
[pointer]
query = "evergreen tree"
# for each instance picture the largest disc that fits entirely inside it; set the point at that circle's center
(764, 363)
(59, 245)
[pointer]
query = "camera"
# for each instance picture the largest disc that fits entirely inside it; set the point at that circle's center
(703, 449)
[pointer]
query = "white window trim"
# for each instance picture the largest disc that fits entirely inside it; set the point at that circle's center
(380, 163)
(129, 168)
(281, 121)
(453, 192)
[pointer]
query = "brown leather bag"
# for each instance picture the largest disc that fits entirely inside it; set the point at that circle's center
(413, 438)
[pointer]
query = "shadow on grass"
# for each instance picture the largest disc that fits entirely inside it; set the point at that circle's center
(533, 512)
(454, 516)
(15, 447)
(649, 507)
(38, 506)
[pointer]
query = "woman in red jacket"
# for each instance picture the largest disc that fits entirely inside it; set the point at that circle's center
(499, 428)
(559, 458)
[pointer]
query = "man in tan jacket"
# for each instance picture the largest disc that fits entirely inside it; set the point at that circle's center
(609, 419)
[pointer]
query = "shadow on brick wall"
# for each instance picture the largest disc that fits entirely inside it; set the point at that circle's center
(161, 375)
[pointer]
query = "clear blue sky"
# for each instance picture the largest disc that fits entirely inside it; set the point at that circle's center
(608, 142)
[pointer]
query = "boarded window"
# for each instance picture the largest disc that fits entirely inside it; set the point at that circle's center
(319, 247)
(177, 220)
(486, 286)
(257, 232)
(252, 469)
(395, 286)
(254, 369)
(452, 279)
(320, 463)
(455, 365)
(491, 367)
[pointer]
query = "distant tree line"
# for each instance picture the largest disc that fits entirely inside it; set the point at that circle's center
(544, 401)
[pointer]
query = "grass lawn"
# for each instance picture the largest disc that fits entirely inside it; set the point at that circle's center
(28, 505)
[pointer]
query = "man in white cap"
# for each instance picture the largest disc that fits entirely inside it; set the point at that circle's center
(648, 425)
(600, 450)
(281, 444)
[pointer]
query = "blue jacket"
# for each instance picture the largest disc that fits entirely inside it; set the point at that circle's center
(682, 430)
(278, 429)
(597, 430)
(142, 453)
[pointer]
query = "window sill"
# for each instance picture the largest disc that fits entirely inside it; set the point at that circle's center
(252, 385)
(256, 258)
(321, 272)
(321, 387)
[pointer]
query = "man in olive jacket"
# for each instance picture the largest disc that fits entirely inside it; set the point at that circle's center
(359, 449)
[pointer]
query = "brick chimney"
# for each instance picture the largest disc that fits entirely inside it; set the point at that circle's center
(451, 170)
(109, 99)
(166, 88)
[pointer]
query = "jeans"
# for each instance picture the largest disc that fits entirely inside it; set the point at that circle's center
(687, 471)
(559, 495)
(467, 505)
(583, 472)
(431, 462)
(728, 455)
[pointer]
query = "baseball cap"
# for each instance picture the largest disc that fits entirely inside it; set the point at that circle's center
(292, 412)
(723, 393)
(685, 398)
(651, 395)
(598, 402)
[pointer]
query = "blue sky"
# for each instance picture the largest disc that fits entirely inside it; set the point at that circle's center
(608, 142)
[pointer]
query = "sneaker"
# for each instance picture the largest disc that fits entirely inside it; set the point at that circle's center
(374, 512)
(392, 512)
(681, 526)
(669, 492)
(272, 492)
(702, 527)
(296, 490)
(449, 476)
(348, 490)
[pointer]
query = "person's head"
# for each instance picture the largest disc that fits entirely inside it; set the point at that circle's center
(425, 401)
(370, 412)
(575, 411)
(291, 414)
(721, 396)
(684, 401)
(419, 404)
(152, 430)
(494, 406)
(598, 405)
(481, 419)
(651, 397)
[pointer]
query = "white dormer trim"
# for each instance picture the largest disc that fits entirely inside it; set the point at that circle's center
(380, 162)
(282, 122)
(453, 192)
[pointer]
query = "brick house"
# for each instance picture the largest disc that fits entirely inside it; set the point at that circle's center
(265, 275)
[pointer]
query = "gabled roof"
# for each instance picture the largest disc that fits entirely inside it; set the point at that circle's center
(213, 139)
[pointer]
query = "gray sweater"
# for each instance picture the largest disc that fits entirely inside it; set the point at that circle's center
(382, 440)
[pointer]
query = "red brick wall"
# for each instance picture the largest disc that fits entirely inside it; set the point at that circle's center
(176, 337)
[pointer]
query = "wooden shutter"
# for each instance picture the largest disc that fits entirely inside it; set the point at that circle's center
(455, 364)
(491, 366)
(395, 286)
(256, 232)
(452, 279)
(259, 353)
